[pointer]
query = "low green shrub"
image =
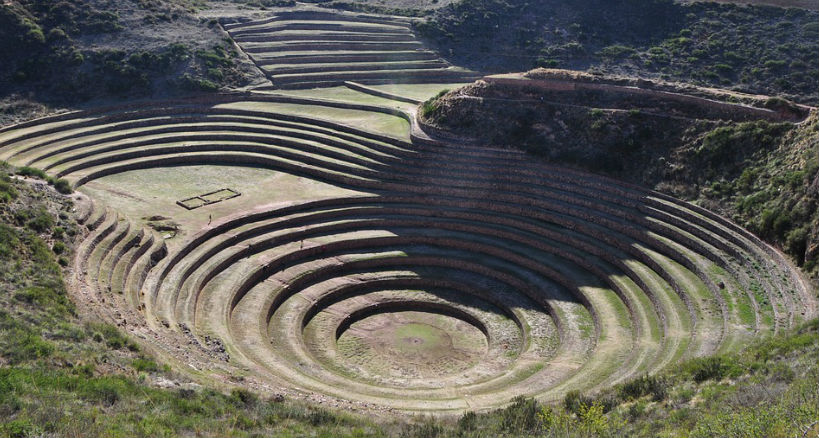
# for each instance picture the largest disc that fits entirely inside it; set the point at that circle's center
(32, 172)
(111, 335)
(62, 186)
(712, 368)
(655, 386)
(145, 365)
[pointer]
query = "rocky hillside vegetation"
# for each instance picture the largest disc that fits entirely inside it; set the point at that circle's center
(758, 49)
(71, 51)
(761, 170)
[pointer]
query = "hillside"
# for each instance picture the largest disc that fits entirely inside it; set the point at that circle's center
(59, 54)
(756, 49)
(760, 169)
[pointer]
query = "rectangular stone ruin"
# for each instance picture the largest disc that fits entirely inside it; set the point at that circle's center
(208, 198)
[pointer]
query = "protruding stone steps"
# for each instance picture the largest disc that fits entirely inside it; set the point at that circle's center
(324, 36)
(113, 263)
(355, 67)
(297, 46)
(320, 26)
(406, 75)
(344, 57)
(316, 15)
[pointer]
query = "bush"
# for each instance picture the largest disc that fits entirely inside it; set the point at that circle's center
(46, 299)
(7, 191)
(32, 172)
(243, 397)
(144, 364)
(62, 186)
(712, 368)
(468, 422)
(521, 416)
(58, 248)
(19, 428)
(40, 220)
(191, 83)
(573, 401)
(429, 107)
(111, 336)
(655, 386)
(23, 345)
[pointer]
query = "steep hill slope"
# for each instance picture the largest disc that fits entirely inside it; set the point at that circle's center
(757, 49)
(72, 51)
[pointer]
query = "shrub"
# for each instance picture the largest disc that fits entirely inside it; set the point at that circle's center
(592, 420)
(574, 400)
(111, 336)
(655, 386)
(468, 422)
(105, 390)
(62, 186)
(144, 364)
(7, 191)
(429, 107)
(23, 345)
(712, 368)
(192, 83)
(40, 220)
(244, 397)
(45, 298)
(616, 51)
(58, 248)
(521, 416)
(32, 172)
(323, 417)
(19, 428)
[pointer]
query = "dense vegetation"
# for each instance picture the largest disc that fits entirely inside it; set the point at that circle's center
(44, 49)
(753, 48)
(767, 177)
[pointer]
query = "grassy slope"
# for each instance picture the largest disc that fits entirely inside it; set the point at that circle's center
(758, 49)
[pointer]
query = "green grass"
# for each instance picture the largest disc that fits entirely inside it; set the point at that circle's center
(61, 185)
(770, 387)
(393, 126)
(68, 403)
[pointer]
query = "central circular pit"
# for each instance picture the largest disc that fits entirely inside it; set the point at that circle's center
(410, 344)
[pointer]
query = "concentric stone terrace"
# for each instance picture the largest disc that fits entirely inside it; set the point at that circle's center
(446, 277)
(307, 49)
